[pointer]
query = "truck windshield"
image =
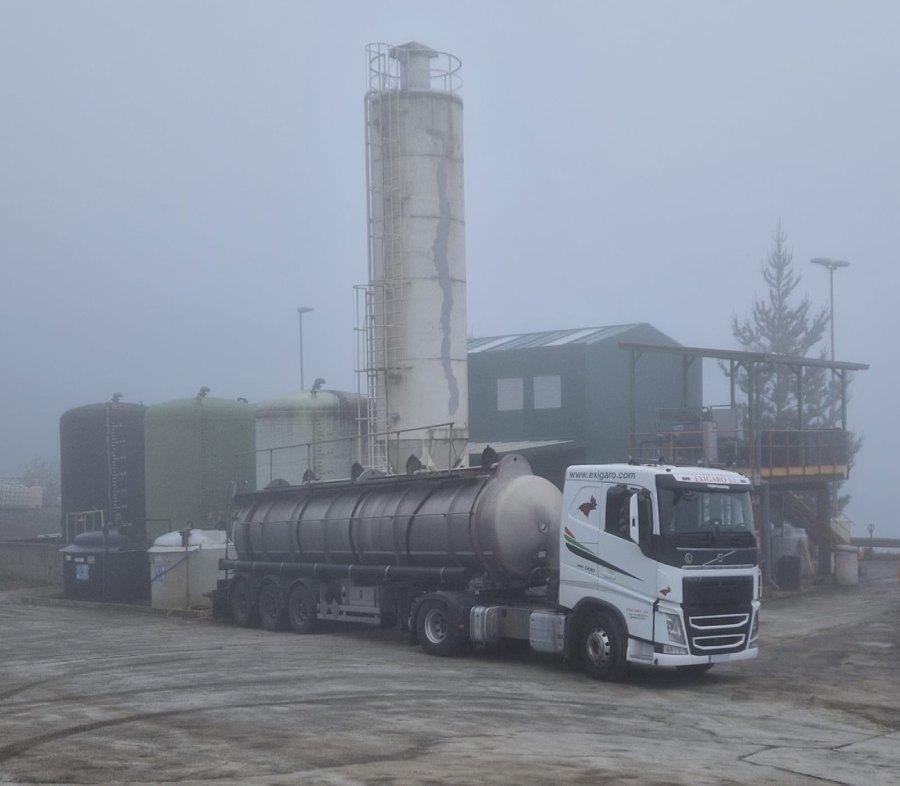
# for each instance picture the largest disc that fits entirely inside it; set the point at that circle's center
(706, 515)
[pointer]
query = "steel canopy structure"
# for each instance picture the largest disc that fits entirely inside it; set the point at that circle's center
(752, 363)
(798, 464)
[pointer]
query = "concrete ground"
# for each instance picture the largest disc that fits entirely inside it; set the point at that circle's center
(95, 695)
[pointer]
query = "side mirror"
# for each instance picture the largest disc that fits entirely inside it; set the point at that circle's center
(633, 529)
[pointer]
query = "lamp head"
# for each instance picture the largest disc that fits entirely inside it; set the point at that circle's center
(828, 262)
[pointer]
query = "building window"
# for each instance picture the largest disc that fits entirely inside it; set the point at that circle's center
(510, 394)
(547, 392)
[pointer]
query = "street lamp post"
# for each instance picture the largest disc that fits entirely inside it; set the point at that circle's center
(831, 265)
(301, 310)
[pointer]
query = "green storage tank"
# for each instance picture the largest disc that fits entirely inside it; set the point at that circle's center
(199, 453)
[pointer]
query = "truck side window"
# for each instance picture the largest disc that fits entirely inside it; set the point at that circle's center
(616, 521)
(645, 517)
(618, 500)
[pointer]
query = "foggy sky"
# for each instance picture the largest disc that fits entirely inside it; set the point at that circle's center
(175, 178)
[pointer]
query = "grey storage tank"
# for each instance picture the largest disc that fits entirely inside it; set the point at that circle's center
(325, 421)
(501, 521)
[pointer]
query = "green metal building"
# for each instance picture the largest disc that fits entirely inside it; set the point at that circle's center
(198, 454)
(562, 397)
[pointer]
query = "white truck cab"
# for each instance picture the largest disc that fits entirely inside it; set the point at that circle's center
(669, 551)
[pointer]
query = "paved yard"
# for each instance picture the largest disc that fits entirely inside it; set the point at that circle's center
(94, 695)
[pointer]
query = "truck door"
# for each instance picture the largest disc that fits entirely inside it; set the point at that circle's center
(581, 536)
(626, 571)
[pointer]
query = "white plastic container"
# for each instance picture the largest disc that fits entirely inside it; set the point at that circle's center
(181, 575)
(846, 565)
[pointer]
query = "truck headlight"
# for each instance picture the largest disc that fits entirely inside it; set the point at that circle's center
(754, 631)
(674, 628)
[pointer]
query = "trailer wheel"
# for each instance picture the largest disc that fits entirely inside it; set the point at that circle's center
(602, 646)
(434, 626)
(272, 611)
(240, 599)
(301, 610)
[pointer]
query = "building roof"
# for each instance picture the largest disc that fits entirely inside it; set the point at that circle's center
(743, 356)
(503, 448)
(547, 338)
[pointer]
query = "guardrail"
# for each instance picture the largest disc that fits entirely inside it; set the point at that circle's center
(775, 453)
(304, 452)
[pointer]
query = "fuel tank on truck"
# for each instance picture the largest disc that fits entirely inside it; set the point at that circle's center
(501, 520)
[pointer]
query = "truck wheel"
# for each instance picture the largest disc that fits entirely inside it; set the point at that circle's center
(272, 611)
(603, 646)
(434, 626)
(240, 599)
(301, 610)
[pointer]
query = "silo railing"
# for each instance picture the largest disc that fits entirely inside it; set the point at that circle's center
(392, 438)
(384, 69)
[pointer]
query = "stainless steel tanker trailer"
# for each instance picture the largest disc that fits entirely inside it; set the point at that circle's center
(487, 554)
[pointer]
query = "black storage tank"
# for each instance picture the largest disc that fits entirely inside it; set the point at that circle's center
(102, 467)
(107, 566)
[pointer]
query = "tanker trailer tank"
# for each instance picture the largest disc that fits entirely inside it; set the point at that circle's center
(497, 524)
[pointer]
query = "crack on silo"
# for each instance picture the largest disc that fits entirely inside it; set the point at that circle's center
(442, 264)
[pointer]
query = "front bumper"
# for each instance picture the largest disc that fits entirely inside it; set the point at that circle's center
(671, 661)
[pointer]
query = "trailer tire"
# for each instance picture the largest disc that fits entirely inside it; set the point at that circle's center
(301, 610)
(272, 608)
(602, 647)
(242, 603)
(435, 623)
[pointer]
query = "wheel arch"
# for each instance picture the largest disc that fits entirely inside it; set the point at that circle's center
(581, 610)
(459, 604)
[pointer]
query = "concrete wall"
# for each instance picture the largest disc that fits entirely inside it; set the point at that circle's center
(31, 562)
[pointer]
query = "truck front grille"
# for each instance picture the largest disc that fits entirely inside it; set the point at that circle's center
(716, 631)
(728, 591)
(714, 645)
(717, 611)
(718, 621)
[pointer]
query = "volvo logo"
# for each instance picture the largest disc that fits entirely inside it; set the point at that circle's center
(688, 558)
(720, 557)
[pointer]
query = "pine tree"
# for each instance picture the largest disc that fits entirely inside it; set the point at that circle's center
(780, 324)
(783, 324)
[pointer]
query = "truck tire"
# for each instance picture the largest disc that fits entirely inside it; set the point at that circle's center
(301, 610)
(435, 628)
(241, 602)
(272, 608)
(602, 647)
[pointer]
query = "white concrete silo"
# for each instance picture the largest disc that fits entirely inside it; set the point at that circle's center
(415, 314)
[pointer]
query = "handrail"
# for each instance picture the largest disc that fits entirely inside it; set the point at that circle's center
(389, 436)
(781, 451)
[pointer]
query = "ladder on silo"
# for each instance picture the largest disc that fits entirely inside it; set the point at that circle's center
(381, 340)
